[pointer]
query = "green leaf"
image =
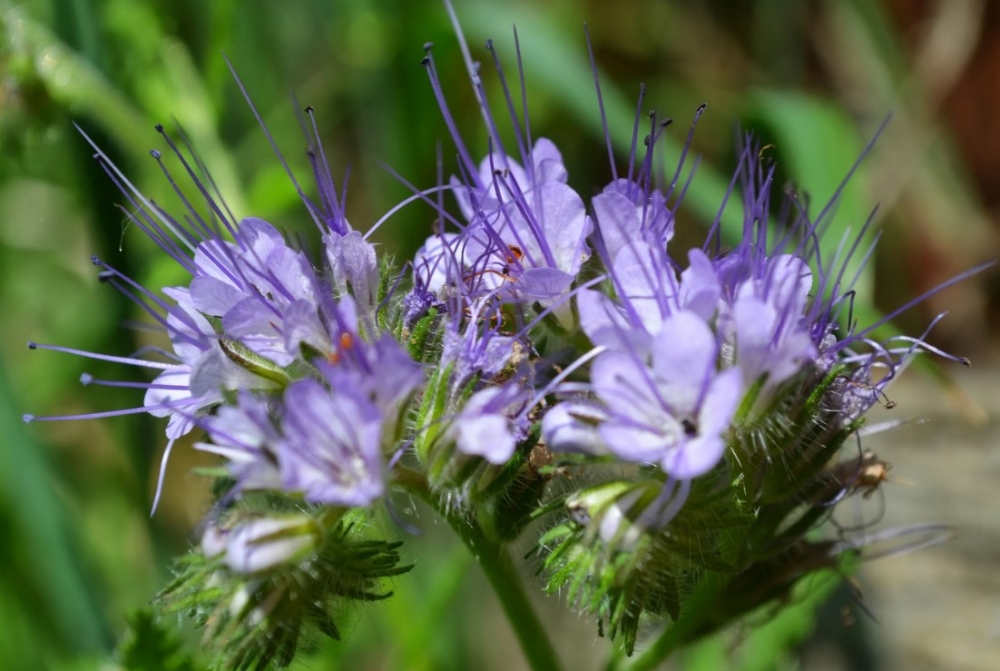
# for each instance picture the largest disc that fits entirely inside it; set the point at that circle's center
(42, 539)
(72, 80)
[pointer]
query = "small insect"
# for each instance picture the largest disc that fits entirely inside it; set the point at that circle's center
(865, 474)
(540, 457)
(847, 616)
(876, 392)
(515, 254)
(873, 473)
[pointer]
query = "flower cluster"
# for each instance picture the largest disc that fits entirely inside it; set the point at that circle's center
(663, 414)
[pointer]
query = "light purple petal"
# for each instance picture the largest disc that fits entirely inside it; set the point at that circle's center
(564, 429)
(645, 281)
(625, 385)
(760, 348)
(565, 225)
(214, 259)
(172, 377)
(250, 317)
(353, 262)
(695, 457)
(721, 401)
(700, 289)
(684, 356)
(486, 436)
(543, 284)
(259, 236)
(617, 220)
(214, 297)
(439, 262)
(215, 371)
(178, 425)
(634, 444)
(548, 162)
(302, 324)
(482, 428)
(599, 317)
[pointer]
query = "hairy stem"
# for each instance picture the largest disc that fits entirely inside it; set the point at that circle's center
(686, 629)
(502, 574)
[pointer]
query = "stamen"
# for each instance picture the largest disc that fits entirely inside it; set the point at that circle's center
(600, 104)
(104, 357)
(163, 471)
(635, 132)
(270, 140)
(197, 182)
(86, 379)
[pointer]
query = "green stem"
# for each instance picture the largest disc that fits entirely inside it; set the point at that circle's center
(685, 629)
(501, 573)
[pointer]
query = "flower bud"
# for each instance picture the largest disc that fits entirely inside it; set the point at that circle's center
(263, 544)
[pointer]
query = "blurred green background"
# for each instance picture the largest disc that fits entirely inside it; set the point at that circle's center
(814, 78)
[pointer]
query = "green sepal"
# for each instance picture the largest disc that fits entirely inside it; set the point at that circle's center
(246, 358)
(416, 341)
(250, 622)
(430, 414)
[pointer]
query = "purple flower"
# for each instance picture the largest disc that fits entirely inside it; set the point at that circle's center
(170, 394)
(674, 411)
(249, 284)
(332, 445)
(532, 248)
(381, 372)
(648, 292)
(768, 342)
(527, 230)
(245, 435)
(440, 262)
(625, 213)
(487, 427)
(573, 427)
(354, 267)
(700, 290)
(766, 315)
(501, 180)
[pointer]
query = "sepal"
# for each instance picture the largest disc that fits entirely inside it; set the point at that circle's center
(261, 585)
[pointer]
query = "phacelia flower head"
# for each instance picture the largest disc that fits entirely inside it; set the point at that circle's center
(545, 362)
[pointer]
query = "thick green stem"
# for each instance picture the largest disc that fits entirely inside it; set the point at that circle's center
(668, 643)
(683, 631)
(507, 584)
(502, 574)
